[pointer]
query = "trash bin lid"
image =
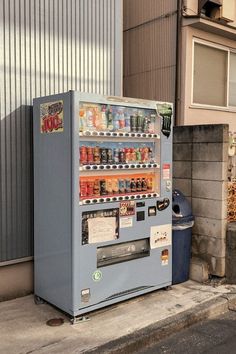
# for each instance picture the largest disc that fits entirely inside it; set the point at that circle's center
(181, 208)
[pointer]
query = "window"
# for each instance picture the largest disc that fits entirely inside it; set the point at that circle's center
(214, 76)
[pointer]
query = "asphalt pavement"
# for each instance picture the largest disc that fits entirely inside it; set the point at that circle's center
(215, 336)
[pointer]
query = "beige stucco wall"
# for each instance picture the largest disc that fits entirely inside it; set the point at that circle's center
(190, 114)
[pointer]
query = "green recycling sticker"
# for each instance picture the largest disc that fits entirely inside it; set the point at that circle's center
(97, 275)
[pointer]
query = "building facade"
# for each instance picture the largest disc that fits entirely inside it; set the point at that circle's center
(46, 47)
(207, 64)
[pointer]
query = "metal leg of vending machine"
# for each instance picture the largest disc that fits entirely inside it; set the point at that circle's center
(103, 194)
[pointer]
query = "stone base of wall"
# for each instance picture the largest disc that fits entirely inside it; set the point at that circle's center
(16, 280)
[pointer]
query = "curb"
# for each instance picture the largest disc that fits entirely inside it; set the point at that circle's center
(146, 337)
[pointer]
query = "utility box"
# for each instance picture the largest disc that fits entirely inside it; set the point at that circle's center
(103, 191)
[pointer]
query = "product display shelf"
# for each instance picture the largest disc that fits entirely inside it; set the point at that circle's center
(96, 134)
(112, 199)
(119, 166)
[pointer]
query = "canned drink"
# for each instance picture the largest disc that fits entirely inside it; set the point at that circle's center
(133, 123)
(121, 186)
(96, 155)
(83, 189)
(90, 155)
(127, 185)
(109, 156)
(144, 185)
(90, 187)
(103, 155)
(83, 155)
(149, 184)
(121, 156)
(133, 185)
(115, 185)
(96, 188)
(138, 185)
(116, 157)
(103, 190)
(109, 186)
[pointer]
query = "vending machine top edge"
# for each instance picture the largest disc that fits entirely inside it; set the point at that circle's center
(102, 199)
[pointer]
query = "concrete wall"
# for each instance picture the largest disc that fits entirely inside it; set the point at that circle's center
(16, 280)
(200, 156)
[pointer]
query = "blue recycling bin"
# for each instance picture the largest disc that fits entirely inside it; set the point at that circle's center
(182, 223)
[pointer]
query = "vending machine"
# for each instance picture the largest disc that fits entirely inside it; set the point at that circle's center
(102, 199)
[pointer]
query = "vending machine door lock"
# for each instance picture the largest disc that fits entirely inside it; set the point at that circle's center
(163, 204)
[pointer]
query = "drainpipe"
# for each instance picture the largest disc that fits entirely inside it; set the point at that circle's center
(178, 63)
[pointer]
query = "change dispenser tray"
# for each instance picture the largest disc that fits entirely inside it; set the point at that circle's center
(122, 252)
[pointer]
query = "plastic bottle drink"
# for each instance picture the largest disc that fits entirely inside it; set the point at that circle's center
(149, 184)
(127, 155)
(138, 185)
(121, 156)
(121, 120)
(116, 155)
(116, 123)
(90, 119)
(103, 190)
(109, 186)
(82, 116)
(110, 126)
(127, 123)
(150, 155)
(109, 156)
(145, 125)
(144, 185)
(96, 155)
(133, 185)
(96, 188)
(115, 185)
(103, 123)
(138, 155)
(121, 186)
(127, 185)
(103, 155)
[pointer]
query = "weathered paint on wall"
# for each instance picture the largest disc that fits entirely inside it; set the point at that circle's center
(150, 28)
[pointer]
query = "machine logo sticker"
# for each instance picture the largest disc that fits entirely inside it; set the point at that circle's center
(97, 275)
(51, 117)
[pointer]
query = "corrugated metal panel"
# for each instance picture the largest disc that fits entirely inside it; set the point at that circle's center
(47, 46)
(150, 49)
